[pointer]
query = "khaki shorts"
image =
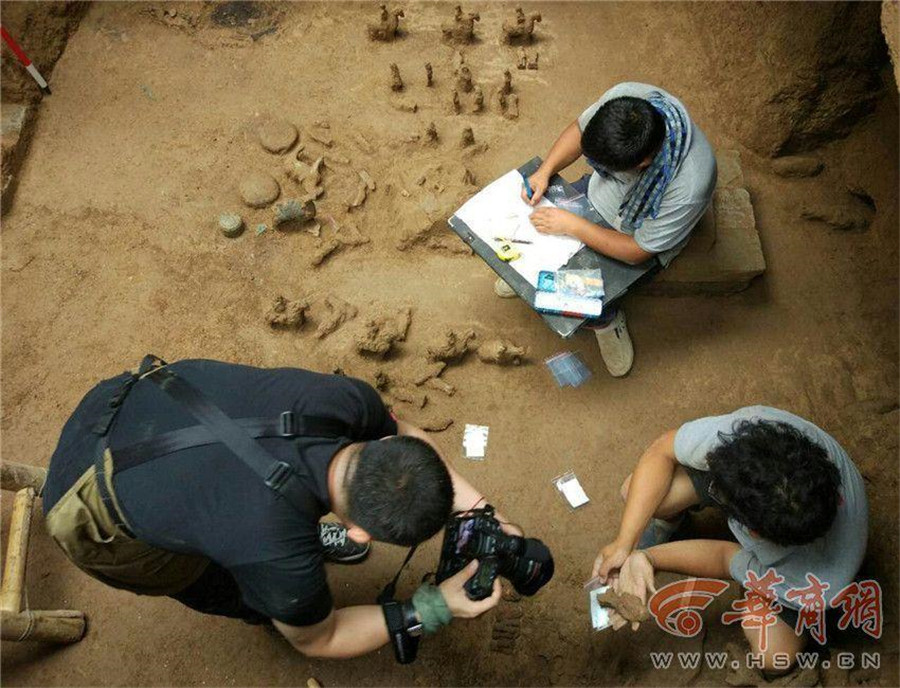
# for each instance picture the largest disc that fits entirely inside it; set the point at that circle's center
(81, 525)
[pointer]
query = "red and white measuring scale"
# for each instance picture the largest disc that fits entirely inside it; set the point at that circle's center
(23, 58)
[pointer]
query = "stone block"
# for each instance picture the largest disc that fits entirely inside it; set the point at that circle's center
(730, 172)
(724, 266)
(15, 132)
(797, 166)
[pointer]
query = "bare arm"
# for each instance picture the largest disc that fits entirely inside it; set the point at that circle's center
(650, 483)
(697, 558)
(355, 631)
(565, 151)
(608, 241)
(604, 240)
(700, 558)
(347, 632)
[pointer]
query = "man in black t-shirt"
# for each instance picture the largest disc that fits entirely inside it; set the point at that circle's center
(156, 514)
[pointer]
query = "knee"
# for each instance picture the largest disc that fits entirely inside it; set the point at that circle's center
(780, 654)
(623, 491)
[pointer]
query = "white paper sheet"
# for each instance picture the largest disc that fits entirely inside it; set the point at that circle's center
(571, 489)
(499, 211)
(475, 439)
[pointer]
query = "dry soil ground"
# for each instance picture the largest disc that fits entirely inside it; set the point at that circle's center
(111, 251)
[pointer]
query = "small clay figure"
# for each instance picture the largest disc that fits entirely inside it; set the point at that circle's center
(456, 105)
(396, 81)
(501, 352)
(507, 83)
(453, 346)
(629, 606)
(464, 80)
(309, 177)
(523, 29)
(287, 314)
(462, 30)
(429, 75)
(511, 111)
(431, 134)
(406, 106)
(320, 136)
(388, 26)
(467, 138)
(478, 100)
(337, 313)
(533, 64)
(380, 333)
(322, 251)
(362, 191)
(523, 59)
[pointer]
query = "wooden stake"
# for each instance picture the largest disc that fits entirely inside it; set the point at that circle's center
(60, 626)
(17, 552)
(14, 476)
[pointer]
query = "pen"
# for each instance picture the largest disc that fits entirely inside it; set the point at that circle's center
(528, 190)
(513, 241)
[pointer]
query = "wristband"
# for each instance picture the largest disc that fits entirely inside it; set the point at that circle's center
(431, 607)
(403, 630)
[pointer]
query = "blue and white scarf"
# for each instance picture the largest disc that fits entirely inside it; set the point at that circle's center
(645, 197)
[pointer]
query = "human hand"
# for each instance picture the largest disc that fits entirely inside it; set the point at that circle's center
(458, 601)
(635, 577)
(539, 181)
(609, 560)
(554, 221)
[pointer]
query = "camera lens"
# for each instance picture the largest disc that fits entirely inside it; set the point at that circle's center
(531, 570)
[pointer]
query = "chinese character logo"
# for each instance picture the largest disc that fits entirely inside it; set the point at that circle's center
(811, 615)
(758, 608)
(861, 605)
(675, 606)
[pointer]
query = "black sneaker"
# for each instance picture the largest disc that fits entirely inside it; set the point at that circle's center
(339, 548)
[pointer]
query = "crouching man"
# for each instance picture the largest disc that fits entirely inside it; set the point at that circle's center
(206, 482)
(795, 502)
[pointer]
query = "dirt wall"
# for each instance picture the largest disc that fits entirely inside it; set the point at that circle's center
(890, 27)
(42, 30)
(794, 75)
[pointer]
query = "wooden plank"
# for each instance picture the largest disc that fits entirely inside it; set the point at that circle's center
(59, 626)
(15, 476)
(17, 551)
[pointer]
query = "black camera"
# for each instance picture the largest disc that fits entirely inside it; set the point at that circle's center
(525, 562)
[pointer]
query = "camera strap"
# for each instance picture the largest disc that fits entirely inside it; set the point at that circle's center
(390, 590)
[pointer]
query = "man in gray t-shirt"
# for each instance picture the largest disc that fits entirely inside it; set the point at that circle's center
(654, 177)
(795, 502)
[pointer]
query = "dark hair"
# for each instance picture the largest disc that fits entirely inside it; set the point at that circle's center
(400, 491)
(776, 481)
(623, 133)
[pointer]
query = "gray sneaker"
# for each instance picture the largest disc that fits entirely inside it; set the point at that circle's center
(339, 548)
(615, 345)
